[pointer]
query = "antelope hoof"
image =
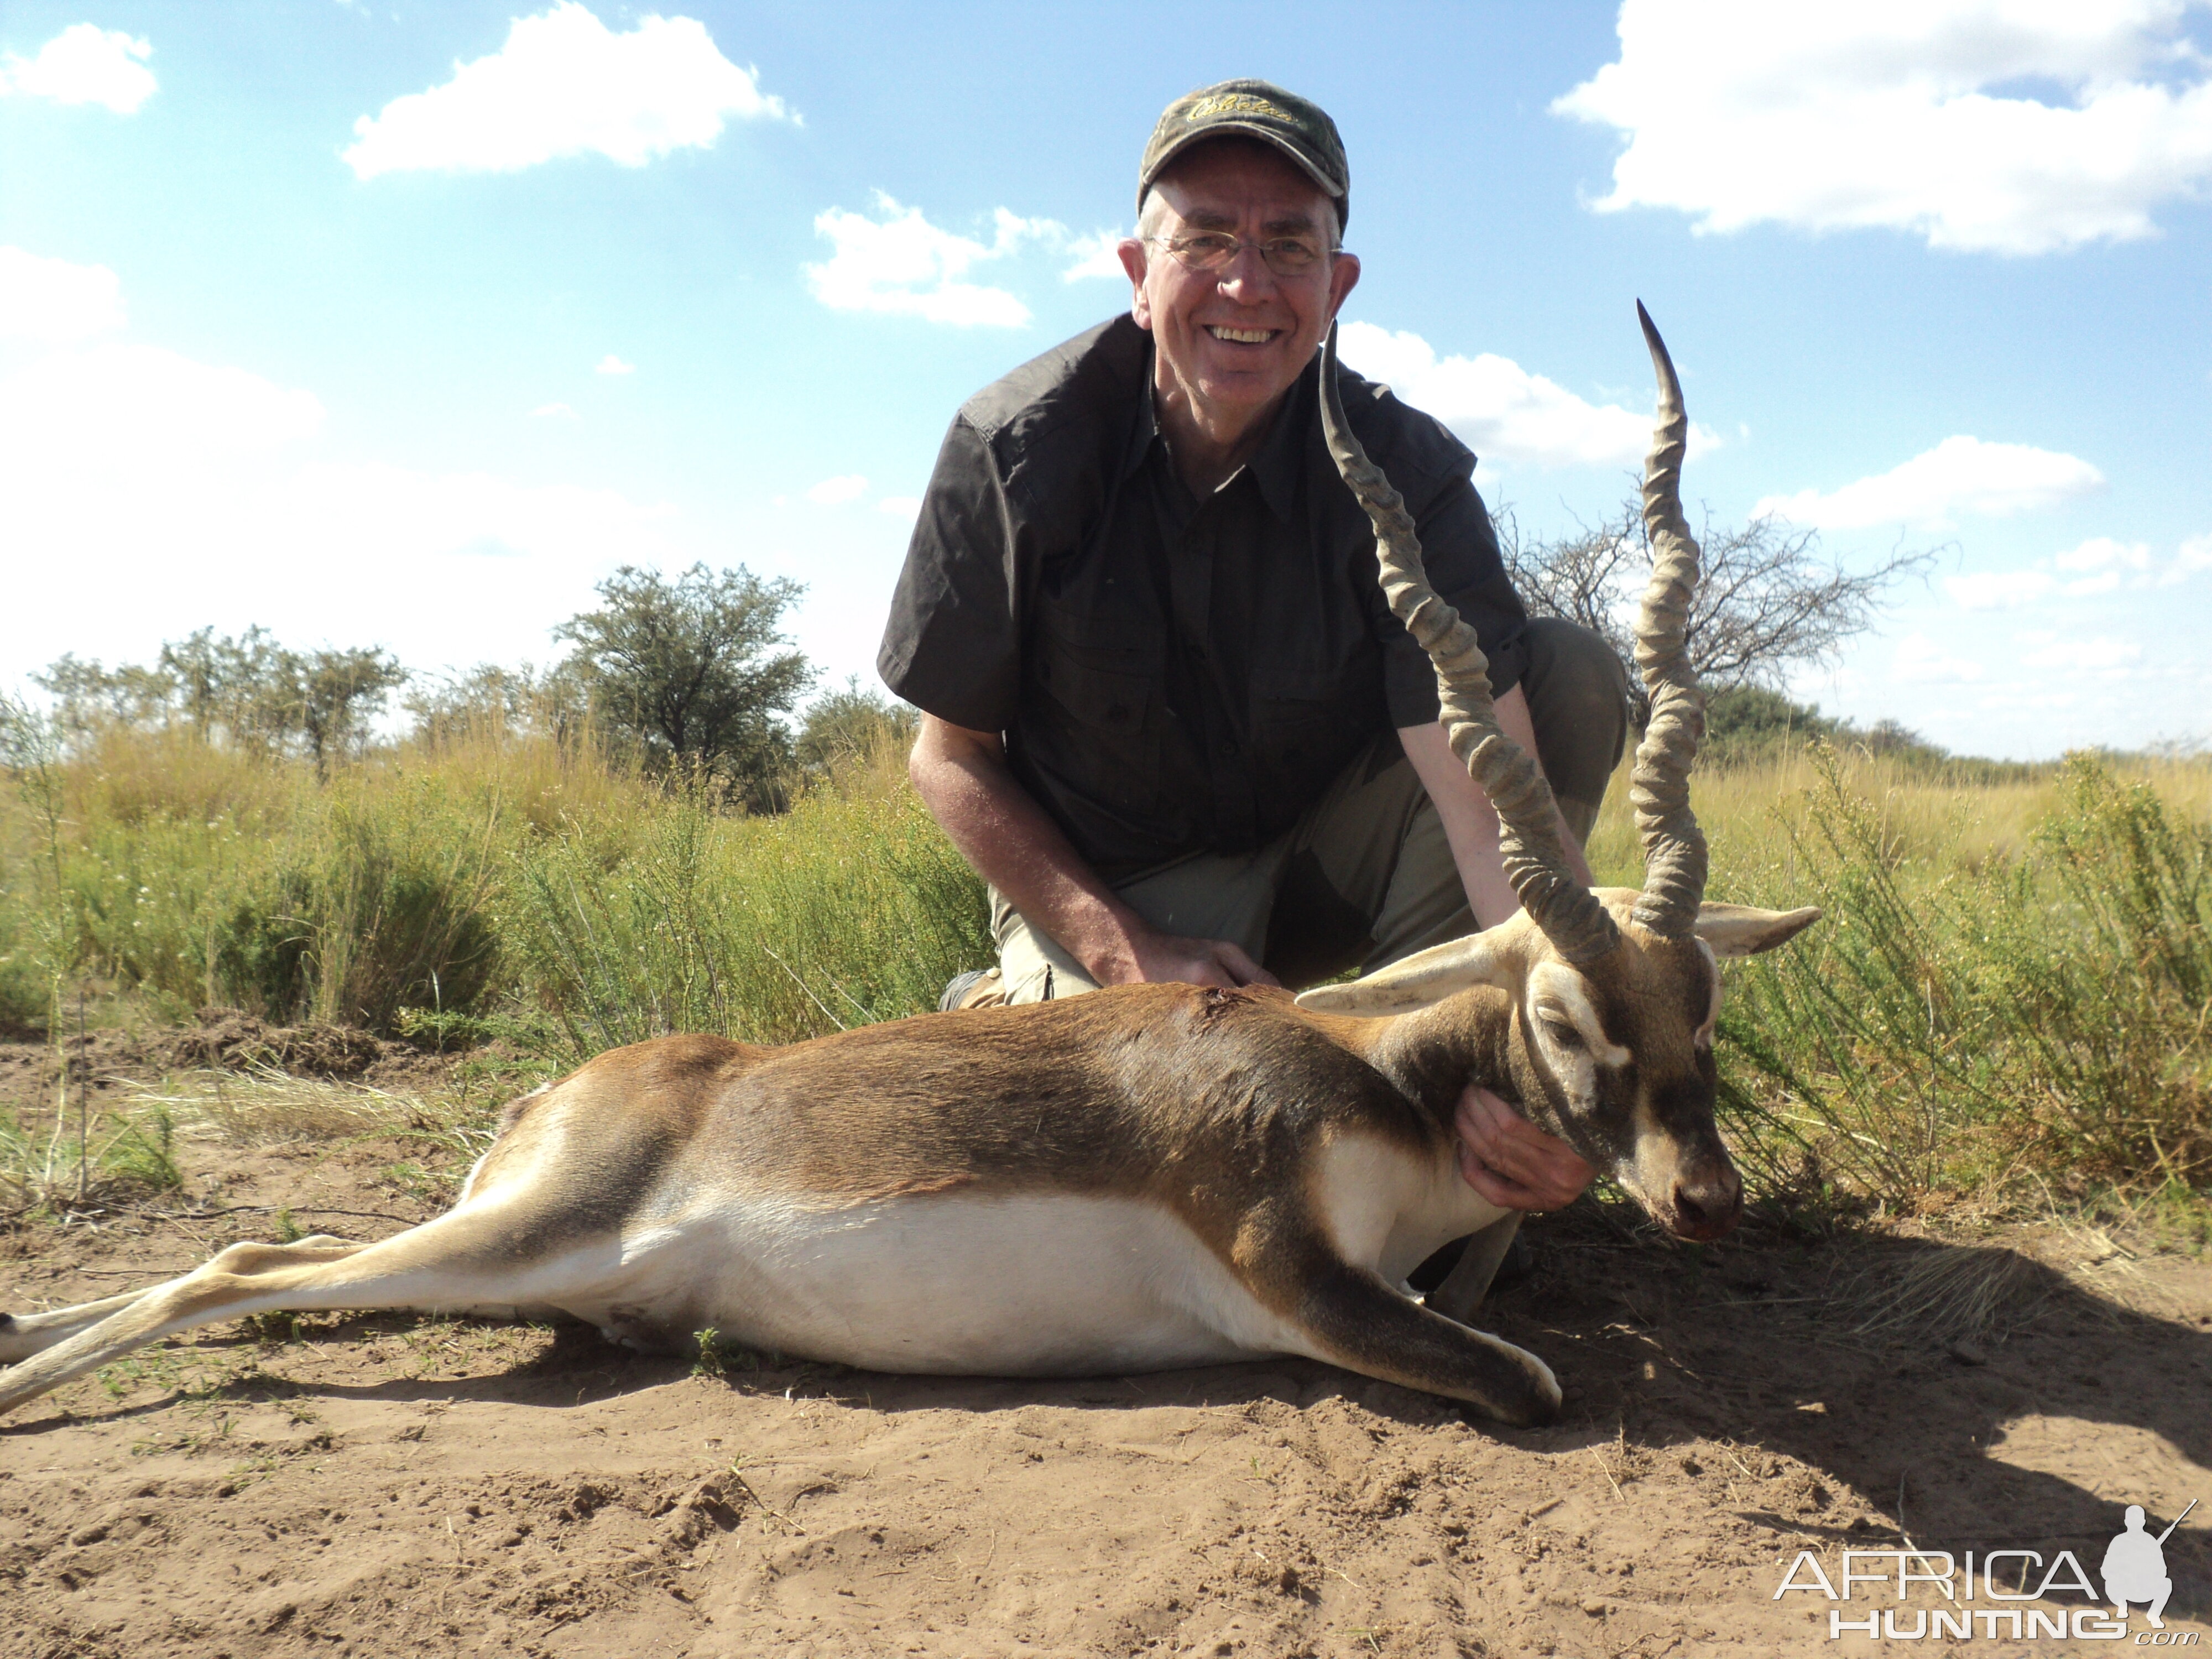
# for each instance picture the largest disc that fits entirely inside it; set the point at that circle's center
(1540, 1410)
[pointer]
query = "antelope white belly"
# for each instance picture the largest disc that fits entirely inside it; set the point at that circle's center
(1036, 1284)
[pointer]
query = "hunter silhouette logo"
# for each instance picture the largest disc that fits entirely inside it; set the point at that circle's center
(1963, 1597)
(2134, 1567)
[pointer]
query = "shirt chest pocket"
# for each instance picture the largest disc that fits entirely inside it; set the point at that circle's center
(1304, 719)
(1109, 700)
(1295, 699)
(1099, 668)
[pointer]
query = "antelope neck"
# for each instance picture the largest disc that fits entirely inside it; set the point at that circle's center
(1433, 1054)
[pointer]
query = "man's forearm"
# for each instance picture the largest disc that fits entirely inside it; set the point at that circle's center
(963, 778)
(1469, 820)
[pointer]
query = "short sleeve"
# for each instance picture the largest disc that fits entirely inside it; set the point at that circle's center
(951, 647)
(1459, 548)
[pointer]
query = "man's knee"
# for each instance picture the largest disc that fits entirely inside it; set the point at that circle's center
(1032, 966)
(1577, 693)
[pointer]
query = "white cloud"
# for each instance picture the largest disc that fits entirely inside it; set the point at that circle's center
(53, 300)
(2099, 565)
(2105, 581)
(2102, 654)
(1096, 255)
(2195, 555)
(84, 64)
(565, 85)
(147, 494)
(556, 411)
(2102, 553)
(611, 364)
(1908, 114)
(835, 492)
(1999, 590)
(1504, 412)
(71, 414)
(900, 506)
(901, 264)
(1960, 474)
(1921, 660)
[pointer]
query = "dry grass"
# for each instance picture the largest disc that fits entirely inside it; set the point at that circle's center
(265, 1106)
(1948, 1293)
(1934, 823)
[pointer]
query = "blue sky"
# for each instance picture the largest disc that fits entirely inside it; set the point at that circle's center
(404, 324)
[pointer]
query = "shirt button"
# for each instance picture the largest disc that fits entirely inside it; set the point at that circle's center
(1229, 746)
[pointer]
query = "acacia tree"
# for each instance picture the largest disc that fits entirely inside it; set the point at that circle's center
(250, 691)
(328, 696)
(845, 722)
(1767, 602)
(690, 669)
(493, 698)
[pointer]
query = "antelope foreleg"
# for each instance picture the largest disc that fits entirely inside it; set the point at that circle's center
(1361, 1323)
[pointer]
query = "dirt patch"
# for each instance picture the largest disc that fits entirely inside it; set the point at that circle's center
(394, 1485)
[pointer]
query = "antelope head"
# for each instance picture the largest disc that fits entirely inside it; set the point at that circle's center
(1611, 996)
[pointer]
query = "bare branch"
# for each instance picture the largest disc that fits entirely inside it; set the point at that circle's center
(1769, 601)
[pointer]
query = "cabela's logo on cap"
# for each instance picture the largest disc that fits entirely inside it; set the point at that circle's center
(1236, 103)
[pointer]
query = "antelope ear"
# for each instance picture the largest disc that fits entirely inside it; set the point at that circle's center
(1418, 982)
(1737, 929)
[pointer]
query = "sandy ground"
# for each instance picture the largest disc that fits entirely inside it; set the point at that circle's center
(390, 1485)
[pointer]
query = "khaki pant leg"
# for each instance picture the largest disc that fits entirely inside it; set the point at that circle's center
(1368, 876)
(1212, 896)
(1371, 879)
(1577, 692)
(1033, 967)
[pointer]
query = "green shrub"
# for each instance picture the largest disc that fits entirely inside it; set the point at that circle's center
(850, 908)
(2040, 1018)
(366, 899)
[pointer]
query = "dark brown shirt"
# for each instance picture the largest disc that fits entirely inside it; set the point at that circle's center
(1173, 675)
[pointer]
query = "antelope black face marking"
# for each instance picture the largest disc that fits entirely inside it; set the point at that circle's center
(1702, 1038)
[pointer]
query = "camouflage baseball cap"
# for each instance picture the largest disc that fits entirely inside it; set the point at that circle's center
(1252, 109)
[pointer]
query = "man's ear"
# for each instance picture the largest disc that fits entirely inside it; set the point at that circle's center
(1131, 252)
(1737, 929)
(1420, 981)
(1343, 278)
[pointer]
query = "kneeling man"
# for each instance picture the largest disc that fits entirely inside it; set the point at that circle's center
(1168, 715)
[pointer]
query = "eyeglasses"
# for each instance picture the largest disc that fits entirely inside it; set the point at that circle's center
(1214, 250)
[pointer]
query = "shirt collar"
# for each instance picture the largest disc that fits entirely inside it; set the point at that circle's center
(1274, 467)
(1146, 427)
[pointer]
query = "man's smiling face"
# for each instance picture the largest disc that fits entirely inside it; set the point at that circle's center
(1231, 342)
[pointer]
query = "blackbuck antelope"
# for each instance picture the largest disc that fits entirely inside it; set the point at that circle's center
(1153, 1176)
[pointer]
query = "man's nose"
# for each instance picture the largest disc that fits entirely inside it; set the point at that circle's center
(1247, 275)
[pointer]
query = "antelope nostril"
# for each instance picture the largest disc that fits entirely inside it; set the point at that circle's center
(1709, 1206)
(1691, 1212)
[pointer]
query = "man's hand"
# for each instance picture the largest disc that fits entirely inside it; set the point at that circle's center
(1156, 958)
(1511, 1161)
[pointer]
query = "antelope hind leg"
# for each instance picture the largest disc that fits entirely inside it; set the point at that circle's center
(22, 1335)
(462, 1260)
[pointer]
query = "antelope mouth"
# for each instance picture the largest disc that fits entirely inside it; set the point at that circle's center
(1696, 1208)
